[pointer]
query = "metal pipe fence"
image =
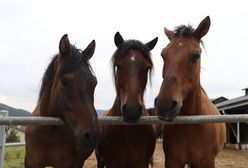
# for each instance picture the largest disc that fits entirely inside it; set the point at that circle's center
(113, 120)
(15, 144)
(117, 120)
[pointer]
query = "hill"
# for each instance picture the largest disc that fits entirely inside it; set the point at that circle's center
(13, 111)
(100, 112)
(20, 112)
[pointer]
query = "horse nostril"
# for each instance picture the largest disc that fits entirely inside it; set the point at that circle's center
(131, 112)
(88, 138)
(174, 104)
(139, 109)
(124, 109)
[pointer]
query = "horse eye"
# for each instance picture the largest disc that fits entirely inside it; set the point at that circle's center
(118, 67)
(195, 57)
(66, 81)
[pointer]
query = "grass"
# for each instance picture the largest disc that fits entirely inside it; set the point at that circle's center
(14, 157)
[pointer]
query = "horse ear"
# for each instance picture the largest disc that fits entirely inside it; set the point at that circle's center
(89, 50)
(150, 45)
(169, 33)
(64, 45)
(118, 39)
(203, 28)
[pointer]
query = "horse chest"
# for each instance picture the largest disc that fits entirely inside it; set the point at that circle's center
(189, 137)
(129, 136)
(127, 143)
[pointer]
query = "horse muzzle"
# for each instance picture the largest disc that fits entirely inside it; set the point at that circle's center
(131, 112)
(168, 111)
(88, 140)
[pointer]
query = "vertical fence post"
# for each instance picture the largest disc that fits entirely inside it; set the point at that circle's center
(238, 133)
(3, 113)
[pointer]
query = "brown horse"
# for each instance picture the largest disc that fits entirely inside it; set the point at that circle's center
(181, 94)
(128, 146)
(67, 92)
(158, 127)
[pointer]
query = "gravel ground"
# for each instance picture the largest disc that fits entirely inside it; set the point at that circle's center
(228, 158)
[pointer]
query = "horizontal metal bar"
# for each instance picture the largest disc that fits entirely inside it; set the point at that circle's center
(30, 121)
(15, 144)
(117, 120)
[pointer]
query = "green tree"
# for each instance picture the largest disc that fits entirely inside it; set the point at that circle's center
(12, 136)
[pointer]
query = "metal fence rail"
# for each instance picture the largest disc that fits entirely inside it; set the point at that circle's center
(14, 144)
(114, 120)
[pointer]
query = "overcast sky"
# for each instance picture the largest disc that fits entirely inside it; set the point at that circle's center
(30, 32)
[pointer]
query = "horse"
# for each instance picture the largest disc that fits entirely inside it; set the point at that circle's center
(133, 145)
(158, 127)
(67, 92)
(181, 93)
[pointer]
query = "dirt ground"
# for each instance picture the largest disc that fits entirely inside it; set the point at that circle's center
(228, 158)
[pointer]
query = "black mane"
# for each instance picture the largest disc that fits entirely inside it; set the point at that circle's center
(184, 31)
(131, 45)
(71, 62)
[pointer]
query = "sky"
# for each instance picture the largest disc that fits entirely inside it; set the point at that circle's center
(30, 31)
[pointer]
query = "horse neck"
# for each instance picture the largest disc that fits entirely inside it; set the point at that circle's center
(44, 102)
(115, 110)
(192, 102)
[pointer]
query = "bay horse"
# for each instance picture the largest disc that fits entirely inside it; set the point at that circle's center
(158, 127)
(128, 146)
(67, 92)
(181, 94)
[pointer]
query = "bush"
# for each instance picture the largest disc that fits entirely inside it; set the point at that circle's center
(12, 136)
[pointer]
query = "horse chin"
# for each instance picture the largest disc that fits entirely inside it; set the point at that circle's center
(171, 117)
(166, 118)
(128, 120)
(84, 149)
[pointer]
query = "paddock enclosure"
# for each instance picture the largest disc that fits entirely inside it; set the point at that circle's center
(227, 158)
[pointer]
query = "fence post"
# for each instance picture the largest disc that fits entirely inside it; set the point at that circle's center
(238, 133)
(3, 113)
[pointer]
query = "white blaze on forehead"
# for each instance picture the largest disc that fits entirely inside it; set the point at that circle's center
(180, 44)
(133, 57)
